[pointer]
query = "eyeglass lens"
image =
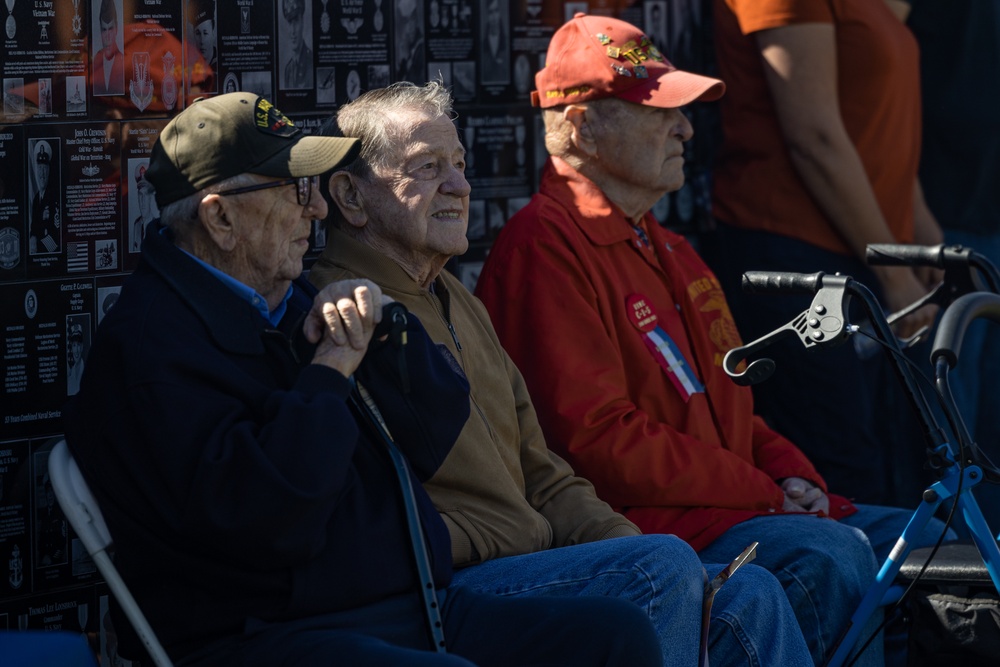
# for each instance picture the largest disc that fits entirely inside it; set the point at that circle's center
(304, 188)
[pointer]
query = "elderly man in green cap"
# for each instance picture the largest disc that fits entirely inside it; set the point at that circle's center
(230, 426)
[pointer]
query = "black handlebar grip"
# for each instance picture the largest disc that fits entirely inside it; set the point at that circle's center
(782, 282)
(901, 254)
(956, 319)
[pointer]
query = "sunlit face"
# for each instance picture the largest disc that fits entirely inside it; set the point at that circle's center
(272, 235)
(419, 204)
(109, 33)
(641, 146)
(204, 39)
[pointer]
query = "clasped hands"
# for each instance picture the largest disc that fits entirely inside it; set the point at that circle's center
(342, 319)
(801, 495)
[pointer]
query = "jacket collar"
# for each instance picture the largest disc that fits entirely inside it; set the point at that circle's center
(344, 255)
(597, 216)
(232, 322)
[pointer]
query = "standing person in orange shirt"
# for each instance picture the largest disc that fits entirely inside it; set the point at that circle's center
(822, 141)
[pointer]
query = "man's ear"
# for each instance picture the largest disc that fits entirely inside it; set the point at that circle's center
(216, 221)
(347, 197)
(582, 136)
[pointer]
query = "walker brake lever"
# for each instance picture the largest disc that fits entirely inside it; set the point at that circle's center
(936, 296)
(823, 323)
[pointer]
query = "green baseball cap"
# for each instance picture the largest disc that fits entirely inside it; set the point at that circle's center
(223, 136)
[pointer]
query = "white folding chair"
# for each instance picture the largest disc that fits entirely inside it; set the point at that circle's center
(80, 508)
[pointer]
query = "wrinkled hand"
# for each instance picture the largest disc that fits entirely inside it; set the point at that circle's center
(801, 495)
(343, 316)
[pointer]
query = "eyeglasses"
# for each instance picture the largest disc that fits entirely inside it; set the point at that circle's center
(303, 187)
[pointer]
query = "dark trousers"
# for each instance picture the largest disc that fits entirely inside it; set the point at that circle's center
(483, 630)
(843, 406)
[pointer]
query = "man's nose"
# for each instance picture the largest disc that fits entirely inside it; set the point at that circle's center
(316, 209)
(456, 184)
(683, 129)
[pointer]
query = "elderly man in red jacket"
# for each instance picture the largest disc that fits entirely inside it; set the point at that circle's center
(623, 357)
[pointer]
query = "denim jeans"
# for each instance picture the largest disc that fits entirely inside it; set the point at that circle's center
(480, 631)
(825, 566)
(752, 623)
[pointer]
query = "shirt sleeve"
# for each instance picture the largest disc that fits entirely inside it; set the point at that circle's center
(756, 15)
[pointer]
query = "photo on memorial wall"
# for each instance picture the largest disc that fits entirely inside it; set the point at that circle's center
(107, 297)
(106, 254)
(409, 41)
(352, 86)
(295, 56)
(45, 97)
(45, 218)
(141, 204)
(463, 80)
(326, 90)
(202, 23)
(15, 518)
(655, 24)
(13, 100)
(258, 83)
(378, 76)
(76, 97)
(51, 527)
(494, 54)
(77, 346)
(524, 77)
(108, 58)
(30, 304)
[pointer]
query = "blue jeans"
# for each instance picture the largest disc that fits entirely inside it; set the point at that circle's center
(480, 631)
(752, 623)
(825, 566)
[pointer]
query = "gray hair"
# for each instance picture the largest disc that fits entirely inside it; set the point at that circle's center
(180, 215)
(373, 118)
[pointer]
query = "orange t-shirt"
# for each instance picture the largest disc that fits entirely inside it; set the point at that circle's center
(756, 186)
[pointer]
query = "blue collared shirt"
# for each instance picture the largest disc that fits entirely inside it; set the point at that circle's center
(248, 293)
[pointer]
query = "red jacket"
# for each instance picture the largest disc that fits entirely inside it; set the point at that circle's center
(576, 297)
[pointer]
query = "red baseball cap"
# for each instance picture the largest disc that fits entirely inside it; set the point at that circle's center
(592, 57)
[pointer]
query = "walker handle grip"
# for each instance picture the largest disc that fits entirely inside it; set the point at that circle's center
(902, 254)
(782, 282)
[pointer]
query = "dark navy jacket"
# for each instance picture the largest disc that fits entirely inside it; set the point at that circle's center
(234, 476)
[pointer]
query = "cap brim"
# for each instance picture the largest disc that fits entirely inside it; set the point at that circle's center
(675, 89)
(309, 156)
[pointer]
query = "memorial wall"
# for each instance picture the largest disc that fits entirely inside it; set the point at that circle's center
(87, 87)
